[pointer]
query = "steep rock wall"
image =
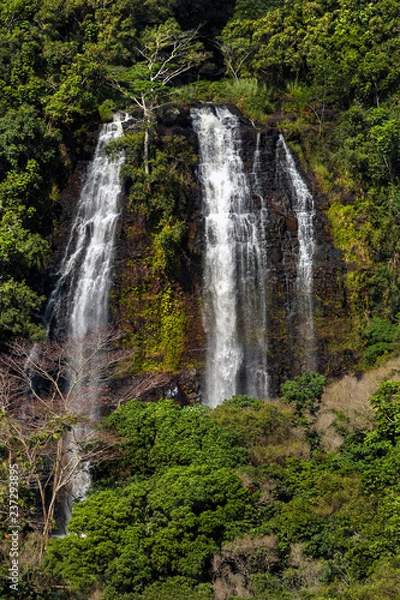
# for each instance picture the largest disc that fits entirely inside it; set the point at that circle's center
(285, 343)
(138, 297)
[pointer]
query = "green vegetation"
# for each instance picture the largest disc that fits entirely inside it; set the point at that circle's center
(252, 96)
(177, 500)
(241, 497)
(304, 392)
(244, 500)
(380, 335)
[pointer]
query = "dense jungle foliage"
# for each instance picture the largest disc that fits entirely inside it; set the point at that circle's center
(248, 499)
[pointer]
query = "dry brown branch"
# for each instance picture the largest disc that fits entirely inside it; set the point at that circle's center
(51, 396)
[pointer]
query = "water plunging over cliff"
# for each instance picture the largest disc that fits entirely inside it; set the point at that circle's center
(304, 210)
(78, 306)
(80, 299)
(235, 262)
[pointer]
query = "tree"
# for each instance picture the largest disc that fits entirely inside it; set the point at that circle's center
(159, 436)
(166, 53)
(168, 526)
(17, 303)
(177, 498)
(236, 47)
(380, 336)
(386, 403)
(76, 96)
(304, 392)
(26, 151)
(50, 397)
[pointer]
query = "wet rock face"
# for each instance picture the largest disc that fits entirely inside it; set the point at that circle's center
(183, 388)
(285, 341)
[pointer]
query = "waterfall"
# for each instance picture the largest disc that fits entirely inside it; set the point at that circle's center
(80, 298)
(256, 168)
(235, 263)
(258, 380)
(304, 210)
(78, 306)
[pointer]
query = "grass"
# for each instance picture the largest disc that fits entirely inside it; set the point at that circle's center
(255, 100)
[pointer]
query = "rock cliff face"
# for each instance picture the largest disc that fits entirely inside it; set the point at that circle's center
(284, 321)
(284, 328)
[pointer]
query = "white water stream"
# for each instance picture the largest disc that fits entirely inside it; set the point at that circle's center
(235, 262)
(304, 210)
(80, 298)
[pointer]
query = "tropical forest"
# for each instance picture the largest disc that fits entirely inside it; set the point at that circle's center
(199, 300)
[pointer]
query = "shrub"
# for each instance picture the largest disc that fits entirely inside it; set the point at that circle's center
(304, 392)
(380, 336)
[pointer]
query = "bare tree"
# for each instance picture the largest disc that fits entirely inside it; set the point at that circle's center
(236, 54)
(50, 399)
(165, 54)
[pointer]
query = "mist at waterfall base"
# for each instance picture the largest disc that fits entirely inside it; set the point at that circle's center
(237, 286)
(79, 305)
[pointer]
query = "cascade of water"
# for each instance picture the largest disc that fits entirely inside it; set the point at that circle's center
(234, 275)
(80, 298)
(305, 212)
(79, 302)
(257, 344)
(256, 169)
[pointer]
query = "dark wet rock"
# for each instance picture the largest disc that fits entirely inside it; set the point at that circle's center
(284, 346)
(183, 387)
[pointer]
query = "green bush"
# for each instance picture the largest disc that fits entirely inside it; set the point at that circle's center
(169, 525)
(304, 392)
(155, 437)
(380, 336)
(178, 588)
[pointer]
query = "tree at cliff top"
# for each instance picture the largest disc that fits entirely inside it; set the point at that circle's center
(342, 50)
(166, 53)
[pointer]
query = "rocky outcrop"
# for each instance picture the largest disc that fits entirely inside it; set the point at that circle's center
(183, 387)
